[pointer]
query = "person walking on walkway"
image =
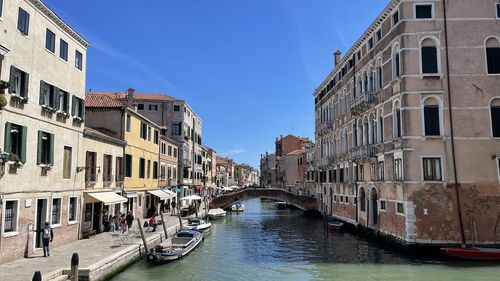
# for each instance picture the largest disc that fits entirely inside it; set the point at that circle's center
(130, 219)
(47, 237)
(123, 223)
(173, 207)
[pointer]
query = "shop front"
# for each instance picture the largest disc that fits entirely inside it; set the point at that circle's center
(98, 209)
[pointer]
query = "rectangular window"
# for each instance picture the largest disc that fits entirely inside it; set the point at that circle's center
(50, 41)
(156, 137)
(432, 169)
(423, 11)
(379, 35)
(107, 163)
(495, 121)
(49, 96)
(19, 82)
(90, 167)
(144, 131)
(153, 107)
(72, 209)
(67, 163)
(23, 22)
(1, 8)
(400, 208)
(177, 108)
(78, 108)
(162, 171)
(395, 18)
(370, 43)
(63, 104)
(149, 169)
(429, 60)
(10, 220)
(128, 165)
(175, 152)
(397, 123)
(383, 205)
(119, 169)
(373, 171)
(78, 60)
(381, 167)
(56, 210)
(398, 169)
(142, 168)
(431, 119)
(361, 173)
(63, 50)
(88, 212)
(149, 133)
(493, 60)
(176, 129)
(498, 10)
(128, 123)
(45, 153)
(140, 106)
(155, 170)
(15, 141)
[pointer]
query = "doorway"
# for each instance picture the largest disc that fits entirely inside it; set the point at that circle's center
(41, 218)
(374, 204)
(96, 222)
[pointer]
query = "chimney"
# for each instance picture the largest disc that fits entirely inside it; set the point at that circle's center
(336, 56)
(130, 98)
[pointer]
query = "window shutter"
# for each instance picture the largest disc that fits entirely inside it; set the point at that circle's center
(51, 150)
(12, 86)
(82, 108)
(26, 81)
(24, 137)
(65, 106)
(7, 137)
(42, 93)
(495, 121)
(39, 149)
(73, 105)
(429, 60)
(56, 98)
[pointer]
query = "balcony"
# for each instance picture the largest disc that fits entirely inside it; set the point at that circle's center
(119, 179)
(324, 128)
(363, 103)
(107, 179)
(323, 162)
(363, 152)
(90, 178)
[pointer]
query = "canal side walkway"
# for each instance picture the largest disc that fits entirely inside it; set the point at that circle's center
(98, 256)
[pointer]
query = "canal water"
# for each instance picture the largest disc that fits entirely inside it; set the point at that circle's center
(264, 243)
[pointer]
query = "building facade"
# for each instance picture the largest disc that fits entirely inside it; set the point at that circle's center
(397, 150)
(268, 170)
(43, 60)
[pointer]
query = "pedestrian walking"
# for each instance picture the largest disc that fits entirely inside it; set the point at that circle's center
(130, 219)
(123, 223)
(47, 237)
(173, 207)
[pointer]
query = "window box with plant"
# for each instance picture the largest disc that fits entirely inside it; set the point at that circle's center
(15, 144)
(18, 84)
(49, 97)
(45, 151)
(78, 109)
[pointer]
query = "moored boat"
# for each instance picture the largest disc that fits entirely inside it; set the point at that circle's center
(238, 207)
(179, 246)
(216, 213)
(335, 225)
(281, 205)
(474, 253)
(198, 224)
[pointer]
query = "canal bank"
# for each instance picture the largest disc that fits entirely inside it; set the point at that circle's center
(264, 243)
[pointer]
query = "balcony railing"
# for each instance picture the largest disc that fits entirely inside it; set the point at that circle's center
(324, 127)
(323, 162)
(363, 152)
(363, 103)
(119, 179)
(90, 177)
(107, 178)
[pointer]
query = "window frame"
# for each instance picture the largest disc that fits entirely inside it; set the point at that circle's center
(128, 173)
(380, 205)
(62, 43)
(70, 222)
(437, 46)
(394, 24)
(397, 208)
(52, 42)
(490, 107)
(59, 223)
(486, 54)
(395, 171)
(51, 147)
(433, 11)
(4, 208)
(396, 50)
(27, 22)
(442, 179)
(497, 10)
(78, 60)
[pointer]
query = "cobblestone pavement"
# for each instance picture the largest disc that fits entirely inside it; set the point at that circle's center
(90, 251)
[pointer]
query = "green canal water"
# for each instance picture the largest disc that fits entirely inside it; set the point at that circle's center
(264, 243)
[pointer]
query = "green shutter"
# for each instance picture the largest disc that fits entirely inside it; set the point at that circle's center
(73, 105)
(51, 150)
(41, 98)
(12, 79)
(26, 80)
(6, 146)
(24, 136)
(39, 149)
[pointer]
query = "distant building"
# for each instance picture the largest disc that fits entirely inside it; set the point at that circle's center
(268, 170)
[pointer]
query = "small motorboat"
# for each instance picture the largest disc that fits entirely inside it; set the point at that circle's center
(179, 246)
(216, 213)
(474, 253)
(238, 207)
(335, 225)
(198, 224)
(281, 205)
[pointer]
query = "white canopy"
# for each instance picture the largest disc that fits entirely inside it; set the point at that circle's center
(169, 192)
(159, 193)
(227, 189)
(108, 197)
(191, 197)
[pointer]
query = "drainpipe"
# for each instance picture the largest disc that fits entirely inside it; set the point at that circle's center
(455, 177)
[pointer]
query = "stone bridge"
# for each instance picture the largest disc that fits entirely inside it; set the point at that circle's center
(305, 203)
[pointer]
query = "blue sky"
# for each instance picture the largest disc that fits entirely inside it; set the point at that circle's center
(247, 67)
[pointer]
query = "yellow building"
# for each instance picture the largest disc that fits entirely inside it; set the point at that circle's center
(141, 153)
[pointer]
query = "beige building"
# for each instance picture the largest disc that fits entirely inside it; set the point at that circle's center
(169, 154)
(409, 118)
(43, 59)
(104, 176)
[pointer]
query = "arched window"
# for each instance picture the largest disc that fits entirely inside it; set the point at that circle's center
(373, 129)
(365, 82)
(370, 79)
(396, 120)
(360, 132)
(380, 126)
(395, 62)
(432, 117)
(365, 131)
(495, 117)
(362, 200)
(359, 88)
(378, 74)
(429, 56)
(493, 55)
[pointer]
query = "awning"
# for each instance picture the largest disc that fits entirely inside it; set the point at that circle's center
(159, 193)
(108, 197)
(170, 192)
(199, 187)
(131, 194)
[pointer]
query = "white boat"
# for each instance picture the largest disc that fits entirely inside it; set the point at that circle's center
(238, 207)
(198, 224)
(281, 205)
(180, 245)
(216, 213)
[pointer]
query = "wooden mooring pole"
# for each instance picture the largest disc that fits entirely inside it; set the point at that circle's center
(37, 276)
(75, 260)
(180, 217)
(142, 235)
(164, 226)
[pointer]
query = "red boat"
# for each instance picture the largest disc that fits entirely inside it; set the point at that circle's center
(474, 253)
(335, 225)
